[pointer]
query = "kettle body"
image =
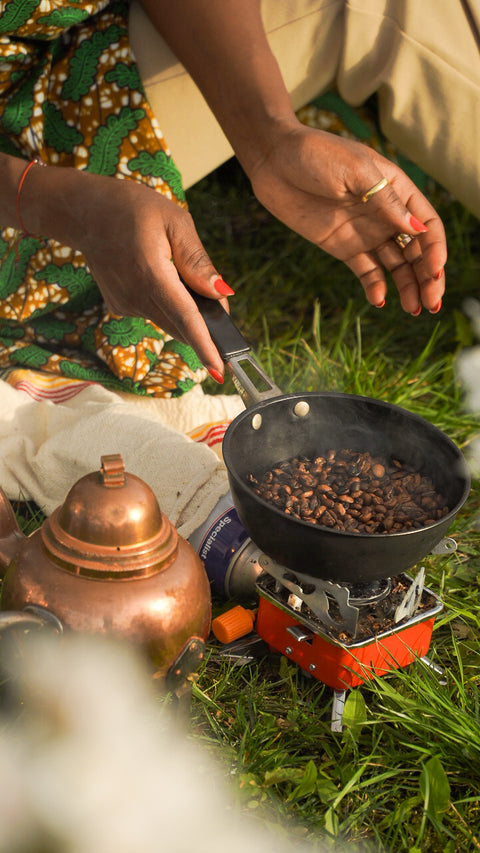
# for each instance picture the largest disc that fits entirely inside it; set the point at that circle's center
(108, 561)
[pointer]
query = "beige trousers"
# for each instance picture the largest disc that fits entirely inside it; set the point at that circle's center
(421, 57)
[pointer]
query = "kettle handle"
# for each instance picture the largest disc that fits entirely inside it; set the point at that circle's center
(10, 534)
(32, 617)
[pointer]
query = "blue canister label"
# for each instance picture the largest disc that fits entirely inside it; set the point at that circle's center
(217, 540)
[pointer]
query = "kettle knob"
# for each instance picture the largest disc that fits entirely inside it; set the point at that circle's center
(112, 470)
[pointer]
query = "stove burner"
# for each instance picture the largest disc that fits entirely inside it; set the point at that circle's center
(369, 593)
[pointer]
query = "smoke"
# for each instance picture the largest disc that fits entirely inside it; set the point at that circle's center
(91, 760)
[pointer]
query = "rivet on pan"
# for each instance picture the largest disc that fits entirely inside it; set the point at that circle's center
(301, 408)
(257, 421)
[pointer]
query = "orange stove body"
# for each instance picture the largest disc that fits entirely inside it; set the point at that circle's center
(344, 666)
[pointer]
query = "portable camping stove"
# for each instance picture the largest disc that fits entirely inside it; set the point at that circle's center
(345, 635)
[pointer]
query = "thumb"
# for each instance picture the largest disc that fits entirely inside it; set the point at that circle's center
(197, 270)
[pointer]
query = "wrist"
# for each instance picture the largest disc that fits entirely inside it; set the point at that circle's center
(35, 161)
(260, 137)
(50, 203)
(11, 171)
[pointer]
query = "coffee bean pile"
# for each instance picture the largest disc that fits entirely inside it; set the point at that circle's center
(352, 491)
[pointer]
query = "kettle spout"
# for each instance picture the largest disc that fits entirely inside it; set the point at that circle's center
(11, 536)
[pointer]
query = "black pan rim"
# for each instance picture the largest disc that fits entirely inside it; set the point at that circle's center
(445, 521)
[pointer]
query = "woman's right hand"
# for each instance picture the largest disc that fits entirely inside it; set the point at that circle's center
(140, 248)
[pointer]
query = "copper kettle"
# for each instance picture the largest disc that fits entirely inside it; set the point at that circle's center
(109, 561)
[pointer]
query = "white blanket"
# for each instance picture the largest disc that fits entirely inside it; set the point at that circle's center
(46, 447)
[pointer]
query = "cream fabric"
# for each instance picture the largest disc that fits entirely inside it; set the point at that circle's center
(421, 56)
(423, 59)
(46, 447)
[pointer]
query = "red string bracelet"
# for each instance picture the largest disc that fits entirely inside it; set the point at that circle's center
(36, 161)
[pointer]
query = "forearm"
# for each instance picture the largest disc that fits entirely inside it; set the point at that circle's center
(222, 44)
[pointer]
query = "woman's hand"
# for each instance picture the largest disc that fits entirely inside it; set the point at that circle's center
(313, 181)
(139, 246)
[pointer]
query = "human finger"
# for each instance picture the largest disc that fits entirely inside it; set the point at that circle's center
(366, 267)
(400, 198)
(406, 272)
(383, 194)
(433, 243)
(430, 287)
(417, 271)
(405, 259)
(194, 264)
(427, 248)
(171, 300)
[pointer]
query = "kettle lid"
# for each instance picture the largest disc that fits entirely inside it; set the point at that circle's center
(110, 525)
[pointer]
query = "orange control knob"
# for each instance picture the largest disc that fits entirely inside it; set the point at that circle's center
(233, 624)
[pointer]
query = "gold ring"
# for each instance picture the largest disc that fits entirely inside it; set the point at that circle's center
(375, 189)
(402, 239)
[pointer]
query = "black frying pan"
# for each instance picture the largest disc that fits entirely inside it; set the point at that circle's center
(277, 426)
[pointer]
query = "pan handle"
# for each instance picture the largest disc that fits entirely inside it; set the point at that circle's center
(250, 380)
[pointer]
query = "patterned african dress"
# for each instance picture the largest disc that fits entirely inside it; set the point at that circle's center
(70, 92)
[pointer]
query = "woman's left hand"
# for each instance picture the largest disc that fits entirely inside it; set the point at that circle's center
(313, 181)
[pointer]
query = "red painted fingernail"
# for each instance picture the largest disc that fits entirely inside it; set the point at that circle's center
(222, 287)
(438, 275)
(417, 225)
(437, 308)
(215, 374)
(417, 312)
(380, 304)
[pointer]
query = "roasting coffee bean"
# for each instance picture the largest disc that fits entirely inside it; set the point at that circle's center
(352, 491)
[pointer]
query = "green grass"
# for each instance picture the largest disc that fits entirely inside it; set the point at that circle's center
(404, 774)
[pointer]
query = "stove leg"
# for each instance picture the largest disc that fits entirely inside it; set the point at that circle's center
(436, 669)
(338, 705)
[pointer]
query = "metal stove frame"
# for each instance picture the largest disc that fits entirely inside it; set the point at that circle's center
(305, 629)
